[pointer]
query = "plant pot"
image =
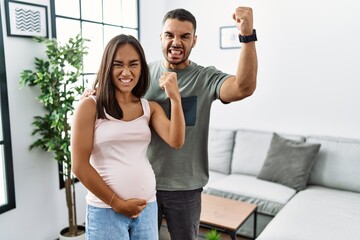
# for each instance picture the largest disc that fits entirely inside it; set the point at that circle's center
(81, 232)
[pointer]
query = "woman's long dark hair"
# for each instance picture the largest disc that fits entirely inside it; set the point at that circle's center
(105, 89)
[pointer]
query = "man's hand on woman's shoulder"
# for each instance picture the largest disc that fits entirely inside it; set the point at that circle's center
(88, 92)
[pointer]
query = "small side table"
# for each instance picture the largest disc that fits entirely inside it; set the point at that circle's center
(226, 215)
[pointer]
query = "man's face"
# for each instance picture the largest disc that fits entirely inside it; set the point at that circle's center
(177, 40)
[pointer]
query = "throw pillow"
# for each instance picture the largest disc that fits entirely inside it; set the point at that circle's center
(289, 162)
(220, 148)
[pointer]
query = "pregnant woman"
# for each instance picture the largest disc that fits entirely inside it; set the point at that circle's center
(109, 139)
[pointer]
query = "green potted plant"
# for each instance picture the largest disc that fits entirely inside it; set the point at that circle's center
(212, 235)
(57, 78)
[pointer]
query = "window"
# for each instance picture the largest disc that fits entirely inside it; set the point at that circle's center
(7, 191)
(96, 20)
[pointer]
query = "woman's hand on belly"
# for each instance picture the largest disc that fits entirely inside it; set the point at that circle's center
(131, 207)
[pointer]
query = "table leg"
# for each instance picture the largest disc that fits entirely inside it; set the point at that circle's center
(232, 235)
(254, 229)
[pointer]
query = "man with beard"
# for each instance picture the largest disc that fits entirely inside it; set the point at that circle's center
(181, 174)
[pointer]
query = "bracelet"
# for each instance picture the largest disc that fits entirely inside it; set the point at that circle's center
(112, 198)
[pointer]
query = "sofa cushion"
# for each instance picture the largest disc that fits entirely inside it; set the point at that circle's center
(250, 189)
(289, 162)
(215, 176)
(250, 150)
(338, 163)
(317, 213)
(220, 149)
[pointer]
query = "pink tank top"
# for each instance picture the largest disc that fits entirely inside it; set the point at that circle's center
(119, 155)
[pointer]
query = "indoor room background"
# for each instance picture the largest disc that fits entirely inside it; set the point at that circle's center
(308, 83)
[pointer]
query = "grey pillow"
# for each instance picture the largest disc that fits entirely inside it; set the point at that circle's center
(289, 162)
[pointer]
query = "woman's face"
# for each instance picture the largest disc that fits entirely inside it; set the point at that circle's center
(126, 68)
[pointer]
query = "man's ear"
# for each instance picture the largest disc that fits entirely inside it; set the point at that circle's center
(194, 41)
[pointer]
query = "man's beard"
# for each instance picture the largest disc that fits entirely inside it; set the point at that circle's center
(175, 62)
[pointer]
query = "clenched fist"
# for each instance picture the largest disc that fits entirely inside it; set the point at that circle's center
(243, 17)
(168, 82)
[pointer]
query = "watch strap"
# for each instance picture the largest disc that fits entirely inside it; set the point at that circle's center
(250, 38)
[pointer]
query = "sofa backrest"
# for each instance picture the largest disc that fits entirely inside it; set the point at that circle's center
(220, 149)
(337, 164)
(250, 150)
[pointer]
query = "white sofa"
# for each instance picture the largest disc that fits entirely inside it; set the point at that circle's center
(329, 206)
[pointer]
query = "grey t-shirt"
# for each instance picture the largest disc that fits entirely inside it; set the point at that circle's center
(186, 168)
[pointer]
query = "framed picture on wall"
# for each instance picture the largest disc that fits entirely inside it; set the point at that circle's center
(229, 37)
(26, 19)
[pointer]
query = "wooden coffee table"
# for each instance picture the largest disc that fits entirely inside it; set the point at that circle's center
(225, 215)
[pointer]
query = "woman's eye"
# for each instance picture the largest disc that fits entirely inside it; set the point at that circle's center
(117, 65)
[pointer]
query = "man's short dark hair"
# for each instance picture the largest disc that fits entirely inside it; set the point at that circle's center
(182, 15)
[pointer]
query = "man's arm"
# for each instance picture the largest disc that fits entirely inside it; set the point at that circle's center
(243, 84)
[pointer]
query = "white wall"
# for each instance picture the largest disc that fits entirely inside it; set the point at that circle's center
(308, 83)
(309, 64)
(40, 211)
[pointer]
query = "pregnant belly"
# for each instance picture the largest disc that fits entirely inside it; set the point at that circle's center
(133, 182)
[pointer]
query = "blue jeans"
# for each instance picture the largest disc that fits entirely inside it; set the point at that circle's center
(181, 210)
(106, 224)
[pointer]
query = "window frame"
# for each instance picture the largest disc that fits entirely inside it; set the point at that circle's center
(6, 141)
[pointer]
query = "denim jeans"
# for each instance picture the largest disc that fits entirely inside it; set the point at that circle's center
(181, 210)
(106, 224)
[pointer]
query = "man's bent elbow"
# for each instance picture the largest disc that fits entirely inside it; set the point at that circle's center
(249, 91)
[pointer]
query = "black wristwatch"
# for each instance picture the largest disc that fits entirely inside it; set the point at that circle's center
(250, 38)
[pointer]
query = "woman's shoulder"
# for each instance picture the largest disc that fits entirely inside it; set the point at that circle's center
(90, 100)
(87, 104)
(153, 104)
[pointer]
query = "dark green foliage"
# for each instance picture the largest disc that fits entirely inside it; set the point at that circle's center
(59, 79)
